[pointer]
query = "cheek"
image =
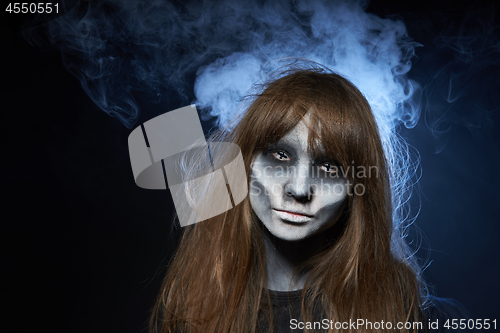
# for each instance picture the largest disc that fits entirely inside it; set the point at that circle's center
(264, 185)
(258, 195)
(333, 192)
(332, 197)
(332, 204)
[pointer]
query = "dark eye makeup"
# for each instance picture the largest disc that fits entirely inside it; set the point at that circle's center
(322, 162)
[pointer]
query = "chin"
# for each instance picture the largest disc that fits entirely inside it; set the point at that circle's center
(290, 232)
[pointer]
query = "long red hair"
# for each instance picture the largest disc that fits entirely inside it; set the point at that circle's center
(215, 281)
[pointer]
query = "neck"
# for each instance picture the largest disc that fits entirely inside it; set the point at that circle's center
(283, 259)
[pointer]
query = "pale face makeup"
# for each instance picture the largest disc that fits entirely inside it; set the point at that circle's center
(294, 194)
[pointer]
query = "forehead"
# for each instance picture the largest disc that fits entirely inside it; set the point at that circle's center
(299, 137)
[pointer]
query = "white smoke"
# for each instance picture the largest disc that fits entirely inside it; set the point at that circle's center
(372, 52)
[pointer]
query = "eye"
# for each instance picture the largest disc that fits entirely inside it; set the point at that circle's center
(281, 155)
(329, 167)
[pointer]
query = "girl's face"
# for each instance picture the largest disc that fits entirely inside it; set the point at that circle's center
(296, 194)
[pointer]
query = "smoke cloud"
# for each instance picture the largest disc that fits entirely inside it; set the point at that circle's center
(119, 49)
(372, 52)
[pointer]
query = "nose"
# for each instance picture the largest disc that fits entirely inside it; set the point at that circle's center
(300, 185)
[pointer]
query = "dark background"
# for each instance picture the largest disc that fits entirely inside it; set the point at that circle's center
(84, 248)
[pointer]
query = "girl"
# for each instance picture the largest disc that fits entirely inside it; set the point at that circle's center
(316, 243)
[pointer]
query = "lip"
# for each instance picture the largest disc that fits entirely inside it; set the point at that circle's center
(293, 216)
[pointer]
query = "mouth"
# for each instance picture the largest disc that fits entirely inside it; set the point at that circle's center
(295, 217)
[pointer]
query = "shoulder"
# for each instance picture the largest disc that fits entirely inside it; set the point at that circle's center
(445, 315)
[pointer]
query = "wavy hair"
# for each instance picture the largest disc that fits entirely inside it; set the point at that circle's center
(215, 280)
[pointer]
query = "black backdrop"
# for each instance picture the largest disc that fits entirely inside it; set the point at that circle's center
(84, 249)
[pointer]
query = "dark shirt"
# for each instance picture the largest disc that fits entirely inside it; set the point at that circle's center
(287, 315)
